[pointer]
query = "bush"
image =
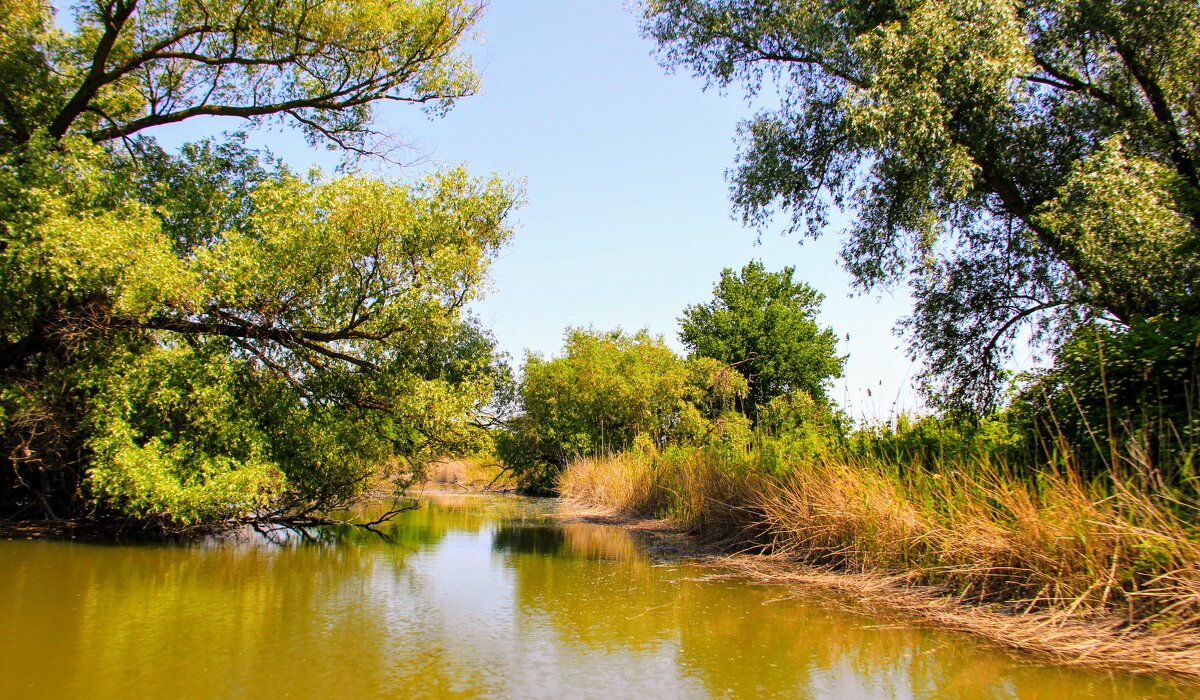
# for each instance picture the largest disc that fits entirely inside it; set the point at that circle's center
(1120, 395)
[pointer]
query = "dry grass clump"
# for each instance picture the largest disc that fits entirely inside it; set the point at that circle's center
(710, 494)
(1056, 544)
(1060, 633)
(692, 488)
(624, 484)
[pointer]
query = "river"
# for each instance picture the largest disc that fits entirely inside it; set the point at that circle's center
(468, 596)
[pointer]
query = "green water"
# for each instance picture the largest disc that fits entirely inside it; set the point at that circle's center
(469, 596)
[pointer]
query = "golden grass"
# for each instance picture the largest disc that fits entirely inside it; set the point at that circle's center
(1060, 633)
(470, 474)
(1087, 572)
(1060, 545)
(621, 485)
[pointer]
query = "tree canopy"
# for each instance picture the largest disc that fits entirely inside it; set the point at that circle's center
(609, 391)
(1024, 165)
(764, 325)
(134, 64)
(205, 334)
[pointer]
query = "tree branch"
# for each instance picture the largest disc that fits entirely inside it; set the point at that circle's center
(1163, 115)
(115, 20)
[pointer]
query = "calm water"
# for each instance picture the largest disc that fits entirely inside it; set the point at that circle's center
(469, 596)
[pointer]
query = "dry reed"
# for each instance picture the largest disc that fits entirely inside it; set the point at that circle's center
(624, 484)
(1089, 572)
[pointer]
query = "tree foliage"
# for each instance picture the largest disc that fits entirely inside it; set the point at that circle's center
(764, 325)
(608, 392)
(134, 64)
(1120, 398)
(604, 390)
(199, 335)
(1023, 164)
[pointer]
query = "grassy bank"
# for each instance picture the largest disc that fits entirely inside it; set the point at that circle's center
(1099, 571)
(471, 474)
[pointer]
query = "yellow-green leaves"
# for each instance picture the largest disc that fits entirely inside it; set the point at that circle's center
(371, 260)
(268, 352)
(120, 255)
(613, 391)
(605, 390)
(323, 65)
(1123, 218)
(173, 439)
(67, 239)
(334, 292)
(160, 480)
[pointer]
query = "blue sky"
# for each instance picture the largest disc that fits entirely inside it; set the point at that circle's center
(628, 218)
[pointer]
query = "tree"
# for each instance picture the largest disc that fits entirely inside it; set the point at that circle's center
(203, 335)
(605, 390)
(764, 324)
(608, 392)
(1022, 164)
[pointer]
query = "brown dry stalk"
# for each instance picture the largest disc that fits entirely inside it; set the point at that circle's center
(1094, 640)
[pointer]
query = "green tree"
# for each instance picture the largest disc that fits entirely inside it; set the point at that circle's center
(607, 391)
(194, 336)
(1022, 164)
(764, 324)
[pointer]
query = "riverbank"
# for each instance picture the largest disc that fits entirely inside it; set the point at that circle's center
(470, 474)
(1060, 567)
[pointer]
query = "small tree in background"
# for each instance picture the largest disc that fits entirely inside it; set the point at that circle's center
(764, 324)
(605, 390)
(609, 392)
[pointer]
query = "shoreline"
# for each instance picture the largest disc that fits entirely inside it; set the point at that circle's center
(1102, 643)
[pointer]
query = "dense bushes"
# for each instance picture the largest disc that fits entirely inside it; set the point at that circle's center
(609, 392)
(759, 365)
(1116, 401)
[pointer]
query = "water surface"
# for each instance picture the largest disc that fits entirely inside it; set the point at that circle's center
(469, 596)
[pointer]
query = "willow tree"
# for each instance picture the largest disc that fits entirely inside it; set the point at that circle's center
(1024, 165)
(199, 335)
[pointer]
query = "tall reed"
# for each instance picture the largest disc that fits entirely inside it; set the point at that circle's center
(970, 528)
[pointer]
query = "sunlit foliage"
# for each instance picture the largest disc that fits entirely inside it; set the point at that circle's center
(1026, 166)
(613, 391)
(194, 336)
(763, 324)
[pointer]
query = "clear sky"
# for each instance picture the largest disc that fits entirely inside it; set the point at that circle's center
(628, 217)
